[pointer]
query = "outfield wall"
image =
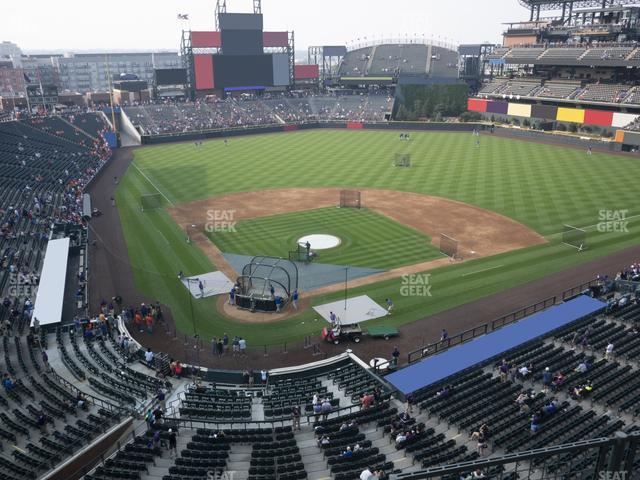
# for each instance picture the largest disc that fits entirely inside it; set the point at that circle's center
(553, 113)
(235, 132)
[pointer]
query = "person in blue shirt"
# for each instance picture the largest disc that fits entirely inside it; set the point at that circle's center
(294, 299)
(232, 296)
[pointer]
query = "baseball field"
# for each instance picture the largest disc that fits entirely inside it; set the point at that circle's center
(276, 188)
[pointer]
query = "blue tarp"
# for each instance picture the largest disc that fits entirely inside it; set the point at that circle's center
(434, 369)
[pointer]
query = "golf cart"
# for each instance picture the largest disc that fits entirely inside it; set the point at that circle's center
(338, 333)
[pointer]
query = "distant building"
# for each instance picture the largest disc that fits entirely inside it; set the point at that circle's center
(11, 80)
(88, 72)
(11, 51)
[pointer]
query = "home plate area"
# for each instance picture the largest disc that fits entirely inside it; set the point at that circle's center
(358, 310)
(213, 283)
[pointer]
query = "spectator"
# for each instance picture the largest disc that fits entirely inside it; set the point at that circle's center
(326, 409)
(524, 371)
(582, 367)
(535, 423)
(558, 381)
(45, 360)
(178, 369)
(264, 377)
(148, 357)
(242, 345)
(156, 439)
(7, 382)
(483, 431)
(504, 370)
(608, 353)
(366, 400)
(295, 413)
(161, 398)
(317, 411)
(547, 378)
(42, 423)
(173, 443)
(367, 474)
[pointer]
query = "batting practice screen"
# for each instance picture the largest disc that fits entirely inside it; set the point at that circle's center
(350, 199)
(402, 160)
(152, 201)
(574, 237)
(448, 246)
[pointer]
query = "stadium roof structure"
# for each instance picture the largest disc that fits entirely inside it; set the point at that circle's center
(559, 4)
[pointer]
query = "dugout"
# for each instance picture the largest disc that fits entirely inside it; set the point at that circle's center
(259, 276)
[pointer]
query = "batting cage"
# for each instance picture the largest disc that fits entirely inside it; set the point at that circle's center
(448, 246)
(151, 201)
(265, 280)
(350, 199)
(574, 237)
(301, 254)
(402, 160)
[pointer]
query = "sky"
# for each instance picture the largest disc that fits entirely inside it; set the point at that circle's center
(79, 25)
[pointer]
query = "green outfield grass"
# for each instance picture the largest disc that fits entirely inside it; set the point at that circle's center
(368, 239)
(541, 186)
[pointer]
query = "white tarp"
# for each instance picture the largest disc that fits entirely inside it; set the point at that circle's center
(48, 306)
(213, 283)
(359, 309)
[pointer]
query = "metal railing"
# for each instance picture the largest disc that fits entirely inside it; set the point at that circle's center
(275, 422)
(627, 286)
(91, 398)
(600, 458)
(577, 290)
(442, 345)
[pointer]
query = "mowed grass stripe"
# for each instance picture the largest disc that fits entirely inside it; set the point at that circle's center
(368, 239)
(542, 186)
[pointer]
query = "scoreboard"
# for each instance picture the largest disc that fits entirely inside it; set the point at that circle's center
(240, 59)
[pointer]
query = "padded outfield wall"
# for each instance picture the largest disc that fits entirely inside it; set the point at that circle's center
(397, 126)
(580, 116)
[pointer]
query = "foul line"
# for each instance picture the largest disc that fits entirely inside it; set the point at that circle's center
(152, 184)
(480, 271)
(589, 227)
